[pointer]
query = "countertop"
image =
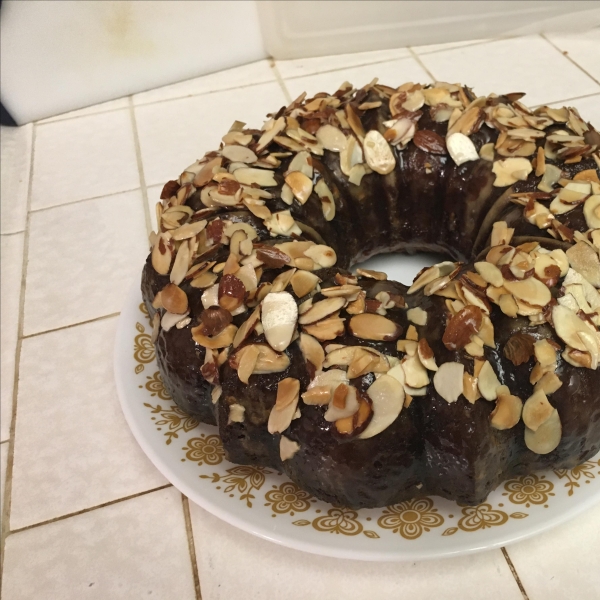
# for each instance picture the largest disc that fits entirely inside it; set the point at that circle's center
(85, 514)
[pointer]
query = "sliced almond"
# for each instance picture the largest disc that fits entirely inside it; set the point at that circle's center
(246, 328)
(571, 329)
(507, 412)
(174, 299)
(531, 290)
(415, 374)
(591, 211)
(547, 436)
(303, 283)
(250, 175)
(426, 356)
(368, 326)
(511, 170)
(288, 393)
(490, 273)
(300, 185)
(188, 230)
(327, 202)
(378, 275)
(331, 138)
(327, 329)
(322, 309)
(584, 259)
(537, 410)
(162, 254)
(312, 351)
(461, 148)
(344, 403)
(287, 448)
(488, 382)
(279, 316)
(378, 154)
(448, 381)
(247, 362)
(236, 413)
(545, 353)
(387, 395)
(417, 315)
(222, 340)
(470, 389)
(548, 384)
(322, 255)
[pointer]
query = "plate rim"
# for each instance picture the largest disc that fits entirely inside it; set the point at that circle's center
(284, 539)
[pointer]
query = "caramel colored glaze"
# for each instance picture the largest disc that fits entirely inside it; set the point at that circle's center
(433, 447)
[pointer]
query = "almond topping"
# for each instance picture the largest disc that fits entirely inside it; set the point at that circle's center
(328, 329)
(303, 283)
(448, 381)
(378, 275)
(507, 412)
(288, 392)
(369, 326)
(490, 273)
(378, 154)
(246, 328)
(300, 185)
(174, 299)
(331, 138)
(321, 310)
(488, 382)
(510, 171)
(221, 340)
(231, 292)
(519, 348)
(247, 362)
(162, 254)
(549, 383)
(387, 395)
(417, 316)
(461, 148)
(531, 290)
(462, 326)
(279, 316)
(214, 319)
(287, 448)
(312, 351)
(426, 355)
(547, 436)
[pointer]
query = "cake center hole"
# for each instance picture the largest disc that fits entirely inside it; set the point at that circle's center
(401, 267)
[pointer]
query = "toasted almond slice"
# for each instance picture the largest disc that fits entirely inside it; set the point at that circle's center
(279, 316)
(312, 351)
(248, 362)
(287, 448)
(223, 339)
(530, 290)
(346, 290)
(548, 384)
(331, 138)
(511, 170)
(491, 273)
(470, 389)
(426, 356)
(412, 334)
(368, 326)
(249, 175)
(237, 153)
(322, 309)
(507, 412)
(545, 353)
(322, 255)
(417, 315)
(537, 410)
(378, 275)
(188, 230)
(343, 404)
(448, 381)
(318, 395)
(407, 346)
(488, 382)
(547, 436)
(387, 395)
(487, 152)
(415, 373)
(303, 283)
(162, 254)
(430, 274)
(174, 299)
(461, 148)
(288, 392)
(584, 259)
(569, 326)
(327, 329)
(501, 234)
(327, 202)
(591, 211)
(170, 320)
(300, 185)
(378, 154)
(246, 328)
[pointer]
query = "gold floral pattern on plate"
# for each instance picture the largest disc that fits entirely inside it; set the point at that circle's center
(584, 472)
(411, 518)
(288, 498)
(529, 489)
(241, 478)
(205, 450)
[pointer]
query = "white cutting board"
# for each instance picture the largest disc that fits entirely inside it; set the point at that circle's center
(57, 56)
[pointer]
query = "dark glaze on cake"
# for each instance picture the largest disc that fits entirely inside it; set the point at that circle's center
(425, 202)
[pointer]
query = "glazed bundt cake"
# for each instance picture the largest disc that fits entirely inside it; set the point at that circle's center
(366, 392)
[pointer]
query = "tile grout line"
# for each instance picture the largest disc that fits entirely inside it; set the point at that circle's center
(140, 166)
(38, 333)
(280, 80)
(514, 573)
(566, 55)
(421, 64)
(12, 233)
(192, 548)
(567, 100)
(90, 509)
(70, 202)
(5, 517)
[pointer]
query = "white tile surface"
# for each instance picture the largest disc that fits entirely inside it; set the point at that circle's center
(89, 110)
(73, 448)
(266, 570)
(174, 134)
(447, 46)
(3, 461)
(393, 73)
(10, 276)
(15, 157)
(507, 66)
(83, 158)
(132, 549)
(562, 563)
(310, 66)
(83, 258)
(251, 74)
(583, 48)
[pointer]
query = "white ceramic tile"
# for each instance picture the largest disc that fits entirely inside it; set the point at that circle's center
(261, 567)
(11, 265)
(506, 66)
(89, 110)
(132, 549)
(154, 197)
(392, 73)
(245, 75)
(83, 258)
(447, 46)
(83, 158)
(309, 66)
(589, 108)
(3, 460)
(562, 563)
(15, 157)
(73, 448)
(175, 133)
(583, 48)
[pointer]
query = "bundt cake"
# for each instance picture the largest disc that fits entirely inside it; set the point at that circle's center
(363, 391)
